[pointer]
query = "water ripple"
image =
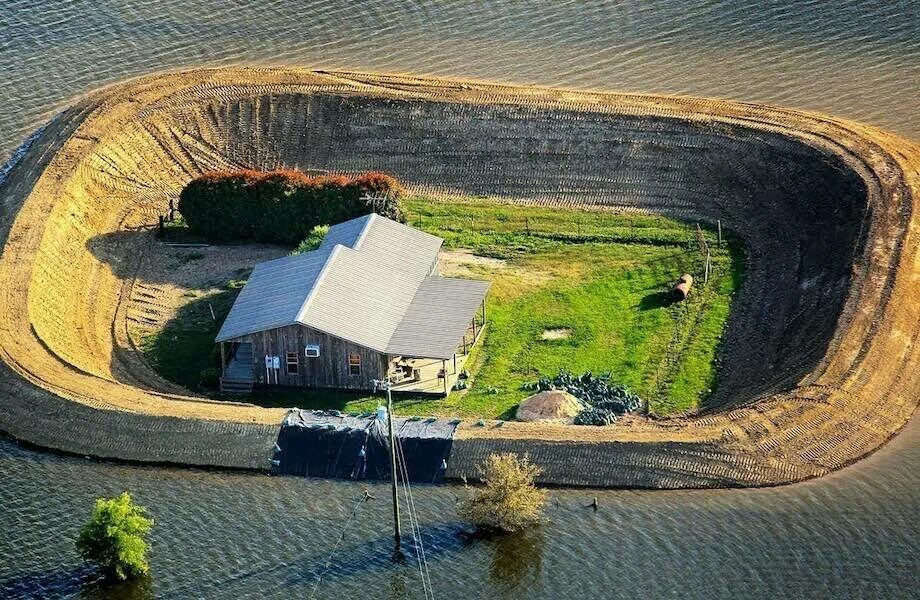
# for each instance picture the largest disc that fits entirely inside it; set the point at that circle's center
(855, 59)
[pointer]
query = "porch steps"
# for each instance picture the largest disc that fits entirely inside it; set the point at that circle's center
(235, 387)
(237, 379)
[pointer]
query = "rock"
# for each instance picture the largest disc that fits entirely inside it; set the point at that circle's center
(549, 405)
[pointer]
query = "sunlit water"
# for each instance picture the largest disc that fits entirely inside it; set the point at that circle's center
(854, 59)
(228, 535)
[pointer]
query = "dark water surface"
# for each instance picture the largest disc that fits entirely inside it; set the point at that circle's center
(853, 534)
(230, 535)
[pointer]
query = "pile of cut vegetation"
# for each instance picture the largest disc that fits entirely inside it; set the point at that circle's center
(603, 401)
(282, 207)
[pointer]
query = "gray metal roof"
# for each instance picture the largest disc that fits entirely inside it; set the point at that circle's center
(437, 318)
(345, 234)
(365, 284)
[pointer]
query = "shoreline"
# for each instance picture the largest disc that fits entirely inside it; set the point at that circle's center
(60, 347)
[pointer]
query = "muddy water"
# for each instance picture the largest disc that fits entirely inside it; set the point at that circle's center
(224, 535)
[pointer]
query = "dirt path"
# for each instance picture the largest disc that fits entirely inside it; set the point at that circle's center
(820, 365)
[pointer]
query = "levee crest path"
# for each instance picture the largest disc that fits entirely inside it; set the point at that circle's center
(819, 365)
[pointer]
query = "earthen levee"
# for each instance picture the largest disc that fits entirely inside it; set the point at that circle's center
(819, 366)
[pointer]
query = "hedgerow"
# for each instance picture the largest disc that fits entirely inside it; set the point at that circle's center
(282, 206)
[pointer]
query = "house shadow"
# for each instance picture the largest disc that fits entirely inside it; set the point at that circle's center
(180, 349)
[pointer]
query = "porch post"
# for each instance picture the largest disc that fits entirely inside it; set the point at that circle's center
(455, 363)
(223, 359)
(474, 330)
(444, 369)
(483, 312)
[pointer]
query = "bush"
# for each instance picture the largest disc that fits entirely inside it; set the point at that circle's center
(282, 206)
(508, 501)
(114, 537)
(605, 400)
(313, 239)
(594, 416)
(210, 378)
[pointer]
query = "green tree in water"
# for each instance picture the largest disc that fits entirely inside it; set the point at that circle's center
(115, 537)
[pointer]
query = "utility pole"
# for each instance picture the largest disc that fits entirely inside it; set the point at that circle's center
(397, 528)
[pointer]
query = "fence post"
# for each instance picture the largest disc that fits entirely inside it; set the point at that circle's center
(719, 224)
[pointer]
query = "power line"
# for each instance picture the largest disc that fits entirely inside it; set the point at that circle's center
(399, 460)
(348, 522)
(416, 527)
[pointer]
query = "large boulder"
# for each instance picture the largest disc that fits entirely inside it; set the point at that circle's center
(552, 405)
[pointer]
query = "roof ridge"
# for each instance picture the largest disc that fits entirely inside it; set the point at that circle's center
(317, 282)
(371, 217)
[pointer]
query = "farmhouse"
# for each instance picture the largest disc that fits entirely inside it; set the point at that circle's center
(367, 304)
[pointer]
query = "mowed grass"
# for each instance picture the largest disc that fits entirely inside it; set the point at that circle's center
(603, 276)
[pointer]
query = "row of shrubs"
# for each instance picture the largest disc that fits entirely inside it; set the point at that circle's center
(283, 206)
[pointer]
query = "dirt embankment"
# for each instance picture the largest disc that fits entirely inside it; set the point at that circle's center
(819, 367)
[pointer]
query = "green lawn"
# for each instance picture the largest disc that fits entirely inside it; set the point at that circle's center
(603, 276)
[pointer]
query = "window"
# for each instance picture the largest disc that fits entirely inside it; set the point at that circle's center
(312, 351)
(292, 363)
(354, 364)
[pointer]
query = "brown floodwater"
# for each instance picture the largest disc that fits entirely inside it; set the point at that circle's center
(228, 535)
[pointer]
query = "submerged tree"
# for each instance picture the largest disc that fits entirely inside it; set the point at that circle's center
(115, 537)
(508, 501)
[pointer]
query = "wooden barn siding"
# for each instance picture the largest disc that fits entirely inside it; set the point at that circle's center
(329, 370)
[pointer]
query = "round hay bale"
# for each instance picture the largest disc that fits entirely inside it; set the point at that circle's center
(549, 405)
(682, 289)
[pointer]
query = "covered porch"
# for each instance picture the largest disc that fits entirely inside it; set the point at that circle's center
(436, 376)
(426, 375)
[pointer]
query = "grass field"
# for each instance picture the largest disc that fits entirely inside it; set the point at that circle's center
(600, 278)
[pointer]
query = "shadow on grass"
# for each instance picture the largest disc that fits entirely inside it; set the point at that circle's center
(185, 347)
(510, 413)
(656, 300)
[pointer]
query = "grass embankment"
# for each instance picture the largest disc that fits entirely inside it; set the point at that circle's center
(602, 278)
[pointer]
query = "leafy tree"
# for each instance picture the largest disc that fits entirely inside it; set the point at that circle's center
(508, 501)
(114, 537)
